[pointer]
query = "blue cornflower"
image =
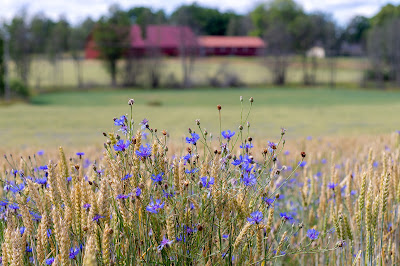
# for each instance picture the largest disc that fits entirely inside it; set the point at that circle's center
(186, 157)
(375, 164)
(309, 138)
(238, 161)
(17, 188)
(312, 234)
(120, 121)
(122, 196)
(268, 200)
(69, 179)
(228, 134)
(249, 179)
(194, 170)
(225, 236)
(48, 232)
(43, 168)
(126, 176)
(4, 203)
(41, 181)
(193, 139)
(121, 146)
(286, 216)
(36, 216)
(302, 164)
(207, 181)
(138, 192)
(80, 154)
(13, 206)
(256, 217)
(86, 163)
(157, 178)
(87, 206)
(155, 206)
(97, 217)
(73, 253)
(50, 261)
(28, 249)
(40, 153)
(247, 146)
(164, 243)
(144, 123)
(286, 153)
(272, 145)
(22, 230)
(332, 185)
(323, 161)
(144, 151)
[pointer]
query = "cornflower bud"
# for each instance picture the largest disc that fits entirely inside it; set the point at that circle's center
(131, 101)
(197, 121)
(241, 98)
(248, 124)
(303, 154)
(250, 139)
(251, 99)
(240, 127)
(164, 132)
(219, 107)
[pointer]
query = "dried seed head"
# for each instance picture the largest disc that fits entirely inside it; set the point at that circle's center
(251, 99)
(164, 132)
(303, 154)
(200, 227)
(197, 121)
(104, 134)
(250, 139)
(240, 127)
(229, 156)
(277, 196)
(131, 101)
(219, 107)
(108, 142)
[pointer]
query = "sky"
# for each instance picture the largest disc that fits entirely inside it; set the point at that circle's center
(77, 10)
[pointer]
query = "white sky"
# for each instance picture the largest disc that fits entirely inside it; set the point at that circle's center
(76, 10)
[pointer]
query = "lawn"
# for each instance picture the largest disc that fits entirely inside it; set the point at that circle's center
(250, 71)
(78, 118)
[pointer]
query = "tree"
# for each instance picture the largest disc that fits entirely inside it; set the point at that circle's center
(387, 12)
(111, 35)
(356, 30)
(20, 45)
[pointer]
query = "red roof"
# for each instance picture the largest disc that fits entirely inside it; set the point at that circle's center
(165, 36)
(136, 37)
(231, 41)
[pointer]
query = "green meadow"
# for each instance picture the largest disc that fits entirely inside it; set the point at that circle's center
(78, 118)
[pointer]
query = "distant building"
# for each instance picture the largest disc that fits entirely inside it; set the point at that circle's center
(316, 51)
(231, 45)
(174, 40)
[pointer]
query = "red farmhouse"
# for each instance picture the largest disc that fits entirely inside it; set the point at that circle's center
(173, 40)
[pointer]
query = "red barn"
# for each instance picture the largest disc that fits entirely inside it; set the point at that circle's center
(174, 40)
(231, 45)
(167, 40)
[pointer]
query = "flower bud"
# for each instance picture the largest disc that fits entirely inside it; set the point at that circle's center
(131, 101)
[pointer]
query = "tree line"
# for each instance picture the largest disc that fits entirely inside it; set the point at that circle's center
(287, 28)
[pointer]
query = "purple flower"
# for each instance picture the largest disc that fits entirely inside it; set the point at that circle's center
(186, 157)
(157, 178)
(302, 164)
(36, 216)
(312, 234)
(193, 139)
(247, 146)
(144, 151)
(40, 153)
(126, 177)
(48, 232)
(121, 146)
(122, 196)
(144, 123)
(225, 236)
(268, 200)
(286, 153)
(43, 168)
(13, 206)
(22, 230)
(207, 181)
(69, 179)
(41, 181)
(309, 138)
(238, 161)
(50, 261)
(73, 253)
(28, 249)
(249, 179)
(97, 217)
(228, 134)
(194, 170)
(323, 161)
(332, 185)
(80, 154)
(155, 206)
(138, 192)
(164, 243)
(286, 216)
(255, 218)
(272, 145)
(86, 206)
(120, 121)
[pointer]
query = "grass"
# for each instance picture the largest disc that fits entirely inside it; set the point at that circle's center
(249, 70)
(75, 119)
